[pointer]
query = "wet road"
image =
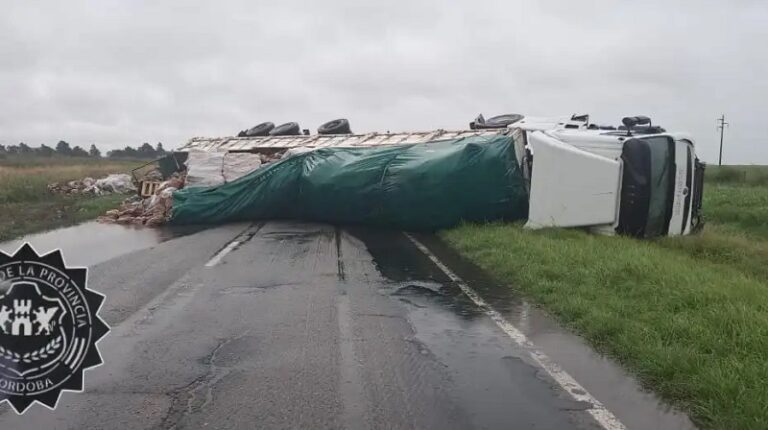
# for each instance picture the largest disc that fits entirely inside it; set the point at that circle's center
(297, 325)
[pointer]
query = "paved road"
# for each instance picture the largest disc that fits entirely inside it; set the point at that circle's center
(300, 326)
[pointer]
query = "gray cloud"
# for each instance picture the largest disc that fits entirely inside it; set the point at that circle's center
(117, 73)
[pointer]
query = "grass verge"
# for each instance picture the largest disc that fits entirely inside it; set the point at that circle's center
(28, 207)
(738, 208)
(688, 316)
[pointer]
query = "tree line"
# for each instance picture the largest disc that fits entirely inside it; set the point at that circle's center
(63, 149)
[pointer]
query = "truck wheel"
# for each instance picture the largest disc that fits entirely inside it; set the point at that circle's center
(337, 126)
(262, 129)
(500, 121)
(287, 129)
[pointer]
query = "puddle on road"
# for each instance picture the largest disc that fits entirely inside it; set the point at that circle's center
(418, 288)
(92, 242)
(448, 322)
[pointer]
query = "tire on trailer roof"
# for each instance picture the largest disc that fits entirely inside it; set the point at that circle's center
(262, 129)
(287, 129)
(337, 126)
(499, 121)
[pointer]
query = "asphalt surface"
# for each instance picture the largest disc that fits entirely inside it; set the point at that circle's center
(299, 326)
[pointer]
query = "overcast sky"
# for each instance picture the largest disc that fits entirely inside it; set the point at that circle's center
(119, 73)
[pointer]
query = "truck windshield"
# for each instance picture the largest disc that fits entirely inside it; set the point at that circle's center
(660, 199)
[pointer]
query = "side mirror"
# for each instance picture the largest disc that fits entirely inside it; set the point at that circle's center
(581, 118)
(629, 122)
(642, 120)
(632, 121)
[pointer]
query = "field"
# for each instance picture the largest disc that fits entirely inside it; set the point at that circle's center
(688, 316)
(27, 206)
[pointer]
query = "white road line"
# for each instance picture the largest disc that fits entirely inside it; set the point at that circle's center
(227, 249)
(599, 412)
(230, 246)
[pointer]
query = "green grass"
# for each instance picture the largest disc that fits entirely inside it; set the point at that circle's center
(742, 175)
(687, 315)
(28, 207)
(740, 208)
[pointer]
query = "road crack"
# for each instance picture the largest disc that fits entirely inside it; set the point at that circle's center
(198, 394)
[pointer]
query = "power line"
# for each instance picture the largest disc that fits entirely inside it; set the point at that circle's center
(722, 124)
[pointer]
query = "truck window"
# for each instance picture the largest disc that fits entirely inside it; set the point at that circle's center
(660, 187)
(646, 192)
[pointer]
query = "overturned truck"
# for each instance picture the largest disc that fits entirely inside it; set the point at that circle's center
(562, 172)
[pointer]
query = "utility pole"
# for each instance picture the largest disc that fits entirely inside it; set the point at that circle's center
(721, 126)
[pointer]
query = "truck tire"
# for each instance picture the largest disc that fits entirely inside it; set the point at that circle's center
(499, 121)
(287, 129)
(337, 126)
(262, 129)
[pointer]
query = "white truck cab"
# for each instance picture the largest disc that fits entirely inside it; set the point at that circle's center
(639, 181)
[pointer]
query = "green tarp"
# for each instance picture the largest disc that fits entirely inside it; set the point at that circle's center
(424, 186)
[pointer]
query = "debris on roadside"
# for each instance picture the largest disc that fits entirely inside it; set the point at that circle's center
(154, 183)
(151, 211)
(114, 183)
(153, 203)
(153, 175)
